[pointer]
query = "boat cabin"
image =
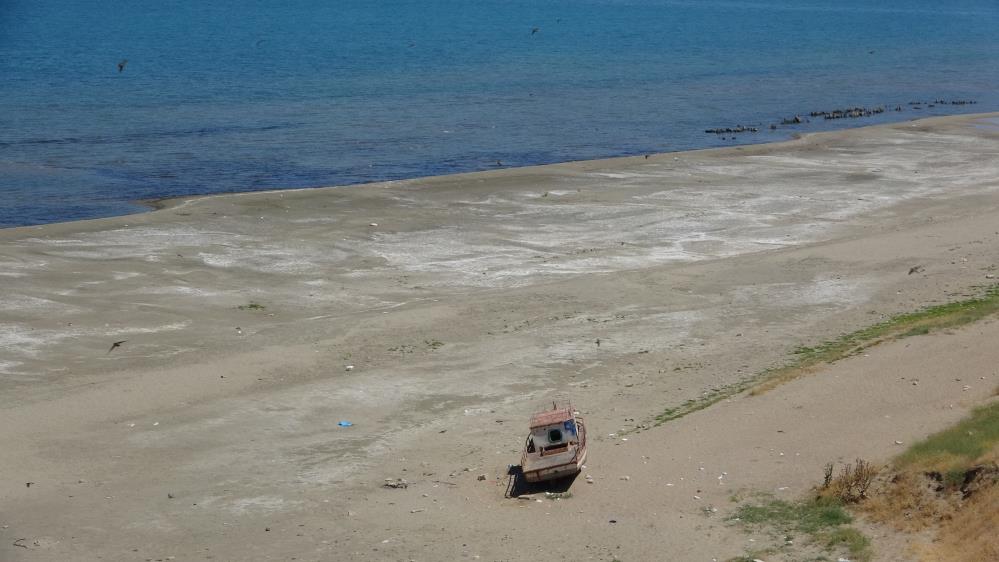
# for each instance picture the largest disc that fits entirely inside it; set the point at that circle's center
(552, 432)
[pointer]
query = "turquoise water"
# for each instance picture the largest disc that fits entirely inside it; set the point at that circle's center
(228, 96)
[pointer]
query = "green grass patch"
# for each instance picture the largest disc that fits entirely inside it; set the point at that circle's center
(823, 521)
(251, 306)
(851, 540)
(917, 331)
(808, 517)
(956, 449)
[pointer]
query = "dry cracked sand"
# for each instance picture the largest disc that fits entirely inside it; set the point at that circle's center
(436, 314)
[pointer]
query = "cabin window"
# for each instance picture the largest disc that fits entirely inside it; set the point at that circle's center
(554, 435)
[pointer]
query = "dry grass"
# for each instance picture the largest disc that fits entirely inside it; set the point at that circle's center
(961, 517)
(947, 484)
(909, 501)
(970, 535)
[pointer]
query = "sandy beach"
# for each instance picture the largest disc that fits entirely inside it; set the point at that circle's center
(436, 314)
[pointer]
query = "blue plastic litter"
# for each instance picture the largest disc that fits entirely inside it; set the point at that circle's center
(345, 423)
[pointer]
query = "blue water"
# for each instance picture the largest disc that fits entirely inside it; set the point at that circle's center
(222, 96)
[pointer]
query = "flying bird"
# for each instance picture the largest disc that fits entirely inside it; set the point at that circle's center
(115, 345)
(121, 65)
(535, 30)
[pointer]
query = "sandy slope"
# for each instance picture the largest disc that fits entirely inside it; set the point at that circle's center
(462, 303)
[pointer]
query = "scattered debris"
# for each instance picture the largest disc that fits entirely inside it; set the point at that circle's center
(399, 484)
(916, 269)
(481, 477)
(344, 423)
(348, 368)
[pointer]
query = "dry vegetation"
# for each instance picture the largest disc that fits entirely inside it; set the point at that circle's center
(947, 485)
(970, 533)
(852, 483)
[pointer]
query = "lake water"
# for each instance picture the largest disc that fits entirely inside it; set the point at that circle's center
(227, 96)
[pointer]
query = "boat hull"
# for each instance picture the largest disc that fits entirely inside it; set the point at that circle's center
(557, 471)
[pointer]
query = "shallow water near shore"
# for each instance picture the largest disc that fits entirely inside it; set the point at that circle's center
(253, 95)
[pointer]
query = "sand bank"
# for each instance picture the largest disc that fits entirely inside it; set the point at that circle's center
(461, 302)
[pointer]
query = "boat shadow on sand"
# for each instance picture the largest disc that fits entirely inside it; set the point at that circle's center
(517, 485)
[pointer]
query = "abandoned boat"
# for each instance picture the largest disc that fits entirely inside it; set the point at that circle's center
(556, 445)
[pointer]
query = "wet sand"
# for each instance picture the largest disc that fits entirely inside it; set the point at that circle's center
(461, 303)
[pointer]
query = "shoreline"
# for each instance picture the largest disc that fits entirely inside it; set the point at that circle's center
(166, 203)
(458, 304)
(794, 137)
